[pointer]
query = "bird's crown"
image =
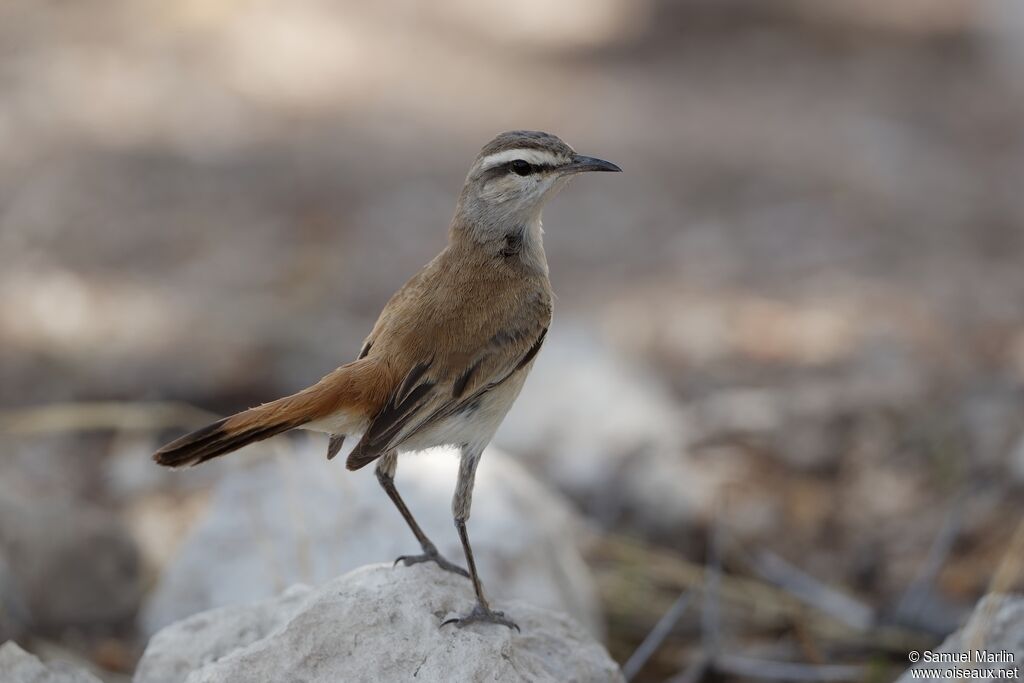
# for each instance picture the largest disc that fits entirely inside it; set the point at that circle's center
(533, 146)
(531, 153)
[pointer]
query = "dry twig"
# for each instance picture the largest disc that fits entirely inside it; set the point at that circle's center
(112, 415)
(750, 667)
(657, 635)
(813, 592)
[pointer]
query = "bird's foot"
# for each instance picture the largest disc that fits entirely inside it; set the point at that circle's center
(431, 555)
(482, 615)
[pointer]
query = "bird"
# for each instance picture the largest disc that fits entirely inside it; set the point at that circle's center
(449, 353)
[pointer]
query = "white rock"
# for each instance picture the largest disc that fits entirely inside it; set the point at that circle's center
(18, 666)
(996, 626)
(587, 405)
(609, 434)
(299, 518)
(378, 623)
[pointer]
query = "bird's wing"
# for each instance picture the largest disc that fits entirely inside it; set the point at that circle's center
(436, 388)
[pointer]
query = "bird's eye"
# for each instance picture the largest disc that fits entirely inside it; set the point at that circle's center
(520, 167)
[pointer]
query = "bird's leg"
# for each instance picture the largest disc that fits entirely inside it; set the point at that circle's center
(482, 612)
(386, 467)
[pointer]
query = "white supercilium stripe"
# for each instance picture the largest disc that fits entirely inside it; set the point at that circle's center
(533, 156)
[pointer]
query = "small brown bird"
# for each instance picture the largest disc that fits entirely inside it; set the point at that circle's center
(450, 350)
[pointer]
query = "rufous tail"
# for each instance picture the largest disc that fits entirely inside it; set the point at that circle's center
(354, 388)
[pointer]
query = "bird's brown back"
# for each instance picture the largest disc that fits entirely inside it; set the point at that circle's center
(458, 307)
(465, 322)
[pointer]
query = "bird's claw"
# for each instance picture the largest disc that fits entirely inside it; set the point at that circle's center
(435, 557)
(482, 615)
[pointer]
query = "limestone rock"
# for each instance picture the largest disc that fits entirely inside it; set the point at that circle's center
(18, 666)
(997, 627)
(608, 434)
(301, 519)
(377, 623)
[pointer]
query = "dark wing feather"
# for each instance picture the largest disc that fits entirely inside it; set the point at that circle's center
(334, 445)
(425, 397)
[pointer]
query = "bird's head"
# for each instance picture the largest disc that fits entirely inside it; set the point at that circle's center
(517, 172)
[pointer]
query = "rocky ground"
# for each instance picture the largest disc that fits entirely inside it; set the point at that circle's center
(376, 623)
(786, 376)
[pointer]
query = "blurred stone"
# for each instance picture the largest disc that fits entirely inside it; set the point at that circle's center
(18, 666)
(996, 626)
(588, 406)
(608, 434)
(73, 565)
(991, 415)
(375, 623)
(129, 472)
(159, 506)
(300, 518)
(161, 523)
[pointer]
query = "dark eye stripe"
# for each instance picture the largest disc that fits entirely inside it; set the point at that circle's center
(506, 168)
(524, 168)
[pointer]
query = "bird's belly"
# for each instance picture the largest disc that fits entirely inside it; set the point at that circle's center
(475, 424)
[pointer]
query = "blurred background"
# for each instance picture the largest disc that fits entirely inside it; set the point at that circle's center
(789, 343)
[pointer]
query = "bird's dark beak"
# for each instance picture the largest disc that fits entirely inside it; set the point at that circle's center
(582, 164)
